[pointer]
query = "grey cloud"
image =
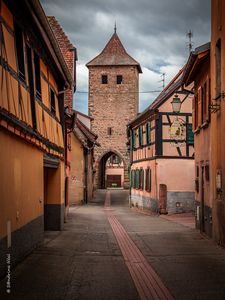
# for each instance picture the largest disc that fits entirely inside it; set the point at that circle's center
(152, 31)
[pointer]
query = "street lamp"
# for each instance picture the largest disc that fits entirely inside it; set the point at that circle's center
(176, 104)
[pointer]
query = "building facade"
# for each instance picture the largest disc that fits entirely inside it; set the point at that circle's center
(113, 102)
(162, 154)
(69, 53)
(197, 70)
(217, 170)
(83, 142)
(32, 72)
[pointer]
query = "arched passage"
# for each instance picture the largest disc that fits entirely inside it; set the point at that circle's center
(111, 170)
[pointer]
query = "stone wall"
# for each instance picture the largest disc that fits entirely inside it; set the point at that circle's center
(112, 105)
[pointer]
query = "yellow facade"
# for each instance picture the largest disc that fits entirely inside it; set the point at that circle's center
(32, 168)
(21, 187)
(76, 185)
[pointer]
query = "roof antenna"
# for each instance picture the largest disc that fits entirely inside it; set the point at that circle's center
(190, 43)
(115, 27)
(163, 76)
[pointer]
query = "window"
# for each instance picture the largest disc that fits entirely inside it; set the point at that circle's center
(119, 79)
(148, 179)
(142, 174)
(207, 171)
(133, 139)
(109, 130)
(204, 112)
(140, 136)
(20, 52)
(148, 132)
(104, 79)
(196, 111)
(52, 98)
(197, 179)
(135, 179)
(37, 75)
(218, 68)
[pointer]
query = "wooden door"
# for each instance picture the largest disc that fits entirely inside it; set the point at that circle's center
(113, 181)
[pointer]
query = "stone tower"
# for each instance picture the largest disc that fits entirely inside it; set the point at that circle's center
(113, 102)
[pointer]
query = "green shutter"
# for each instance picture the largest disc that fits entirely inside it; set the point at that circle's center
(148, 132)
(130, 173)
(140, 136)
(138, 179)
(150, 180)
(135, 180)
(133, 140)
(190, 135)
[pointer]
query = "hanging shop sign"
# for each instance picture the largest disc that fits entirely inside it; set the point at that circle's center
(177, 132)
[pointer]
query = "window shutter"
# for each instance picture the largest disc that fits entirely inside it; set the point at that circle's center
(141, 179)
(133, 139)
(148, 132)
(131, 178)
(199, 106)
(147, 182)
(138, 179)
(193, 113)
(135, 180)
(150, 180)
(190, 135)
(207, 99)
(140, 136)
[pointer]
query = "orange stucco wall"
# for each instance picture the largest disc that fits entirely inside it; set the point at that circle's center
(76, 185)
(218, 121)
(54, 185)
(21, 187)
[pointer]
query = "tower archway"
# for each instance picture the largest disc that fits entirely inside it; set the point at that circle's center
(111, 167)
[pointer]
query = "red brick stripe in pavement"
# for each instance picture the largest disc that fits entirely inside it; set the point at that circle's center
(147, 282)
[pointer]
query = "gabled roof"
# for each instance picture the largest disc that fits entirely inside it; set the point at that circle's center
(195, 61)
(114, 54)
(169, 90)
(82, 114)
(84, 134)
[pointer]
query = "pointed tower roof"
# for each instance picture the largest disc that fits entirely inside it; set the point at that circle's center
(114, 54)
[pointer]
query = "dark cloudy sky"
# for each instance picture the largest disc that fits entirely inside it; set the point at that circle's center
(152, 31)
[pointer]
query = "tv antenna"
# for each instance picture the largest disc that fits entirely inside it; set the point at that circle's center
(163, 76)
(190, 43)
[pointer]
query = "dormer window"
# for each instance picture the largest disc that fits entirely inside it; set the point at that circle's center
(104, 79)
(119, 79)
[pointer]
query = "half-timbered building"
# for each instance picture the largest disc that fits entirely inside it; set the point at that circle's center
(162, 153)
(33, 78)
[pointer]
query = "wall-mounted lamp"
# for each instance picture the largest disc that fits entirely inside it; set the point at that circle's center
(176, 104)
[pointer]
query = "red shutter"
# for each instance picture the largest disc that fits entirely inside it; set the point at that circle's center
(207, 99)
(199, 106)
(193, 113)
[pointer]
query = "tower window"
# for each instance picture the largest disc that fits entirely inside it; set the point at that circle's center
(104, 79)
(109, 130)
(119, 79)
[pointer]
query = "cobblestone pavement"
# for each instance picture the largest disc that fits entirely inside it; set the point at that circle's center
(84, 261)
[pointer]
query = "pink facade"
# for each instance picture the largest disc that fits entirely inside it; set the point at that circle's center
(157, 159)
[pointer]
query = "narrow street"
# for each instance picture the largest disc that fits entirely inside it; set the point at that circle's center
(86, 259)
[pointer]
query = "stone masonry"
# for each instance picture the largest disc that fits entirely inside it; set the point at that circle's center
(113, 105)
